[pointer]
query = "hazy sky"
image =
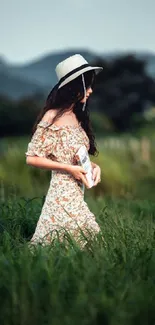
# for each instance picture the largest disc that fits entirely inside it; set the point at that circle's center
(32, 28)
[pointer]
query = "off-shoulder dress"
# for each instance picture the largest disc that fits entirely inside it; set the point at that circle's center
(64, 208)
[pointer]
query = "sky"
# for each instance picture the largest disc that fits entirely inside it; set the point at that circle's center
(33, 28)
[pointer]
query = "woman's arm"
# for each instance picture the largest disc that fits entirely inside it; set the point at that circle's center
(45, 163)
(93, 164)
(96, 172)
(41, 162)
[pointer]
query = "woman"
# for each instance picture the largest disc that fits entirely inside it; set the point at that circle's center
(54, 145)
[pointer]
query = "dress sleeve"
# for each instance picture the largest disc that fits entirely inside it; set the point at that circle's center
(43, 141)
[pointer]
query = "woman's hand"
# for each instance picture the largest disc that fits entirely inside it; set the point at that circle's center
(79, 173)
(96, 173)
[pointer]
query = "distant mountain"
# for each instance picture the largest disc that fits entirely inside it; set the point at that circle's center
(21, 80)
(16, 87)
(38, 76)
(42, 70)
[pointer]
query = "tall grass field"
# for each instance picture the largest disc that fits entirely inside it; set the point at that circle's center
(111, 281)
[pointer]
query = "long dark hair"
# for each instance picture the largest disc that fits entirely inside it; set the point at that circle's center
(63, 98)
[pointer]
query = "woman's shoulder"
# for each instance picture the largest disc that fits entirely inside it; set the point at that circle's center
(48, 116)
(47, 119)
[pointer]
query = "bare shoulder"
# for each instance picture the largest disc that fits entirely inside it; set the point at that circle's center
(48, 116)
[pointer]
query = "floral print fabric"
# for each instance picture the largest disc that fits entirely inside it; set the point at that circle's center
(64, 208)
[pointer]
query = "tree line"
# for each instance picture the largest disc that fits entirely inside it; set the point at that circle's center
(122, 92)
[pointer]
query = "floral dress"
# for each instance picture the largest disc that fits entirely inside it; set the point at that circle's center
(64, 210)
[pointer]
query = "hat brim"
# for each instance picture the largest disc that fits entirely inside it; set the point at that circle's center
(78, 73)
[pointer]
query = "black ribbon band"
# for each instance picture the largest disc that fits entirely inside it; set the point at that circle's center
(72, 72)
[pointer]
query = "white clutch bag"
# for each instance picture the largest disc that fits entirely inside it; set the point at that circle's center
(84, 160)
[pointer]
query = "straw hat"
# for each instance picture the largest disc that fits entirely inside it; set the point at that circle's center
(72, 67)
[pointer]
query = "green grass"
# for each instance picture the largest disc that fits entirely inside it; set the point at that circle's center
(109, 282)
(123, 172)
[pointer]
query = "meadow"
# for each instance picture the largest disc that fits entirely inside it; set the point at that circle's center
(111, 281)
